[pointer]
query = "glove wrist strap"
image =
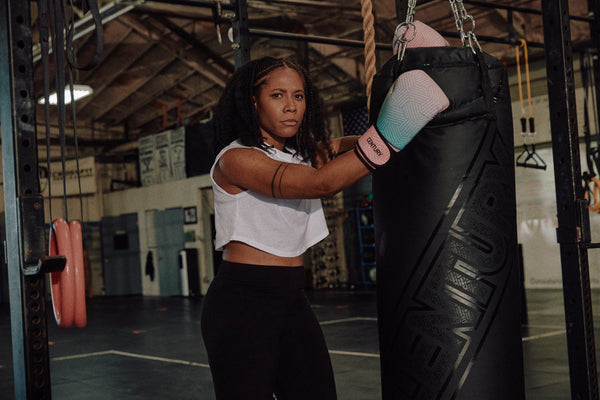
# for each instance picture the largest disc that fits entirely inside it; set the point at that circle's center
(372, 149)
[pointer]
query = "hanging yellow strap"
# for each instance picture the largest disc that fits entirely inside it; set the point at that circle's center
(523, 44)
(528, 80)
(517, 55)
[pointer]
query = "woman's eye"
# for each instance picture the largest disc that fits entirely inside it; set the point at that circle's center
(276, 95)
(300, 97)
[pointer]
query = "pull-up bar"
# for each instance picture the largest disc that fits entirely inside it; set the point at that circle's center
(520, 9)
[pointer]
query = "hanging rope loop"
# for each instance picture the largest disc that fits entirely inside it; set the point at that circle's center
(92, 7)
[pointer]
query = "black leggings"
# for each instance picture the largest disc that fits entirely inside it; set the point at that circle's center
(262, 337)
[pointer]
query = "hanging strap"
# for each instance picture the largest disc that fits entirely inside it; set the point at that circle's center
(520, 85)
(528, 157)
(58, 51)
(74, 118)
(92, 7)
(44, 41)
(523, 44)
(591, 153)
(486, 83)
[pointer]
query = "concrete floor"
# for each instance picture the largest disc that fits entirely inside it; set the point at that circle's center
(151, 348)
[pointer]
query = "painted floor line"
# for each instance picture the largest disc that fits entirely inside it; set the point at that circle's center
(354, 353)
(543, 326)
(163, 359)
(197, 364)
(133, 355)
(183, 362)
(544, 335)
(338, 321)
(75, 356)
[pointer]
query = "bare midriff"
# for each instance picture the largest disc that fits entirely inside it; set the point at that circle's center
(239, 252)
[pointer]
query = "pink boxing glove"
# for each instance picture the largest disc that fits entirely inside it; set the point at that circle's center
(412, 101)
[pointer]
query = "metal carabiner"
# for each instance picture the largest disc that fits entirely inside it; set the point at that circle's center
(400, 40)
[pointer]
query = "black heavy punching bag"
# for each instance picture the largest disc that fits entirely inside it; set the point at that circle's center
(448, 288)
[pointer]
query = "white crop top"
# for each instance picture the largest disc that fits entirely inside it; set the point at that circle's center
(284, 227)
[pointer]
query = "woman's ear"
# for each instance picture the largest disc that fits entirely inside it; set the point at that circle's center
(254, 101)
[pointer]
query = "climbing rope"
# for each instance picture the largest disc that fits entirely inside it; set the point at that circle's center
(369, 38)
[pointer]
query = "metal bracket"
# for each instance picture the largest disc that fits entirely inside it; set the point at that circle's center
(31, 209)
(584, 220)
(49, 264)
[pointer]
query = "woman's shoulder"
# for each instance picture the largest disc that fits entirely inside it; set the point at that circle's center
(236, 144)
(239, 155)
(236, 151)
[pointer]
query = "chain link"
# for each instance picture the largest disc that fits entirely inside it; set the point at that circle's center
(460, 17)
(410, 12)
(401, 40)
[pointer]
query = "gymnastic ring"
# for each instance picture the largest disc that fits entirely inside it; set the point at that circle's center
(80, 316)
(593, 187)
(596, 194)
(63, 282)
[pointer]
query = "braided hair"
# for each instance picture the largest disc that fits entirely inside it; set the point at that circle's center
(237, 118)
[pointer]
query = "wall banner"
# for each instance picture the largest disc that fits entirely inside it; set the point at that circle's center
(148, 167)
(87, 174)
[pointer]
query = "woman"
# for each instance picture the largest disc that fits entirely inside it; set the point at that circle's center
(261, 335)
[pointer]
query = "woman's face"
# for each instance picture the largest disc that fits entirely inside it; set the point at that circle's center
(280, 104)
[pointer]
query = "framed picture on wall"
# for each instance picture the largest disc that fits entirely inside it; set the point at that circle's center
(189, 215)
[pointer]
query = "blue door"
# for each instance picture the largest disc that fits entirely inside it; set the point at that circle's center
(170, 239)
(121, 255)
(3, 266)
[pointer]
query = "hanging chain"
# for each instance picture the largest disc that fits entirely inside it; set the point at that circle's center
(460, 17)
(400, 39)
(217, 14)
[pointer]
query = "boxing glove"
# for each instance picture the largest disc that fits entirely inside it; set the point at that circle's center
(412, 101)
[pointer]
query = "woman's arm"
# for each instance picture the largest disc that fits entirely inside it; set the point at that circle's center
(338, 146)
(344, 144)
(241, 169)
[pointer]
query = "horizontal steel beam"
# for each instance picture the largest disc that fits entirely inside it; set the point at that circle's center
(198, 3)
(314, 39)
(519, 9)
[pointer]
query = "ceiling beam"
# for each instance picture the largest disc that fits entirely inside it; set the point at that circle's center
(194, 59)
(196, 44)
(105, 76)
(172, 75)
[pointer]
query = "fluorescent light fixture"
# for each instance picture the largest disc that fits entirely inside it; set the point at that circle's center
(79, 92)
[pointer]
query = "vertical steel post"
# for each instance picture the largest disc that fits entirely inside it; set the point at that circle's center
(241, 33)
(572, 211)
(594, 12)
(24, 206)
